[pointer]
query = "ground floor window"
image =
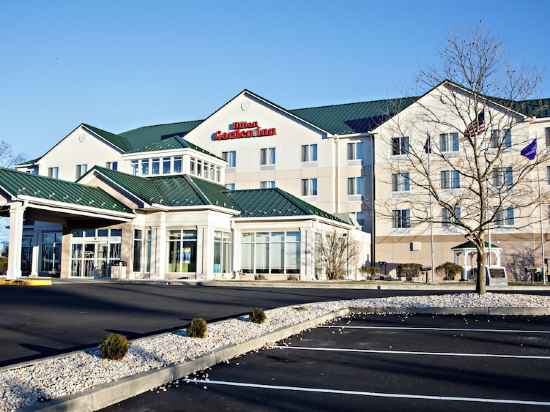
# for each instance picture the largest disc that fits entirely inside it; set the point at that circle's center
(94, 251)
(270, 252)
(182, 250)
(222, 252)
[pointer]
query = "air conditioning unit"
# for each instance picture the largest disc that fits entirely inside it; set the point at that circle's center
(415, 246)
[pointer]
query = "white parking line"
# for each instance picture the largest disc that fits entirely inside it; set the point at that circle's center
(402, 352)
(372, 394)
(437, 329)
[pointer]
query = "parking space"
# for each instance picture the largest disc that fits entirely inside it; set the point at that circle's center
(379, 363)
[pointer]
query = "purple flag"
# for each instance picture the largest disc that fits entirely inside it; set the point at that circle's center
(530, 151)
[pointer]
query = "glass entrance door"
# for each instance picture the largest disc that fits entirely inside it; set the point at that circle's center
(94, 252)
(50, 262)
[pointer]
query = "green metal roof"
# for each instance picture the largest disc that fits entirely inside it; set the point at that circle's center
(19, 183)
(186, 190)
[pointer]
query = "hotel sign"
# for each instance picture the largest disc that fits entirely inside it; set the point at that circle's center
(239, 130)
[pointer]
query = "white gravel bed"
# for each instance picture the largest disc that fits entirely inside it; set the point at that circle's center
(53, 378)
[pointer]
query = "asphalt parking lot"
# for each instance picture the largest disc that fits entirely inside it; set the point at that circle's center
(379, 363)
(44, 321)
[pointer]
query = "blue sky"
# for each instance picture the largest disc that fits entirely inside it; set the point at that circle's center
(124, 64)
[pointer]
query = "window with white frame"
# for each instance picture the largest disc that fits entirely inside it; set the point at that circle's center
(81, 170)
(503, 176)
(155, 166)
(309, 187)
(138, 250)
(355, 151)
(401, 218)
(218, 174)
(501, 138)
(223, 251)
(112, 165)
(230, 157)
(166, 165)
(400, 182)
(505, 217)
(182, 250)
(199, 167)
(267, 156)
(448, 142)
(230, 186)
(271, 252)
(178, 160)
(144, 167)
(134, 165)
(450, 179)
(356, 185)
(267, 184)
(400, 145)
(309, 152)
(448, 218)
(53, 172)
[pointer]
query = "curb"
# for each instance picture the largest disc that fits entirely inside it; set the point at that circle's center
(110, 393)
(491, 311)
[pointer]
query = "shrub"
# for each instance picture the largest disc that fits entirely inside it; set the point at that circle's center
(258, 315)
(409, 270)
(114, 347)
(198, 328)
(292, 277)
(260, 277)
(450, 269)
(3, 265)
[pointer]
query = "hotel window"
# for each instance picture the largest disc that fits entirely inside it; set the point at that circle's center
(505, 217)
(309, 153)
(230, 186)
(182, 251)
(450, 179)
(267, 156)
(81, 170)
(166, 165)
(503, 176)
(401, 218)
(547, 136)
(53, 172)
(447, 218)
(112, 165)
(356, 185)
(309, 187)
(177, 164)
(155, 166)
(144, 167)
(502, 138)
(192, 168)
(138, 248)
(212, 172)
(134, 166)
(448, 142)
(400, 182)
(199, 167)
(230, 158)
(355, 151)
(222, 252)
(218, 174)
(271, 252)
(267, 184)
(400, 145)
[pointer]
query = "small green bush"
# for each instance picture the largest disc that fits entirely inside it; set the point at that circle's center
(451, 270)
(114, 347)
(198, 328)
(258, 315)
(260, 277)
(292, 278)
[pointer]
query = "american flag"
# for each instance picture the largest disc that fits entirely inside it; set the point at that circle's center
(477, 126)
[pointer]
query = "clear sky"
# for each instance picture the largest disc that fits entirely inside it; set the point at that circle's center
(124, 64)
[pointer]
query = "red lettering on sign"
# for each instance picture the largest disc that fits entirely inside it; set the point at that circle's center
(244, 129)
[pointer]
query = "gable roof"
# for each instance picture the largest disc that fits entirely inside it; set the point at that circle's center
(24, 184)
(187, 190)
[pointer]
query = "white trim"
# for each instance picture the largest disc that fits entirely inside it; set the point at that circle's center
(75, 208)
(371, 394)
(414, 353)
(293, 218)
(198, 207)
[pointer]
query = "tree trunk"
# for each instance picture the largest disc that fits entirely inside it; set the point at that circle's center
(481, 286)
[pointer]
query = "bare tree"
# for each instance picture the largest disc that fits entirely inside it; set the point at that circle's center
(8, 158)
(337, 254)
(461, 158)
